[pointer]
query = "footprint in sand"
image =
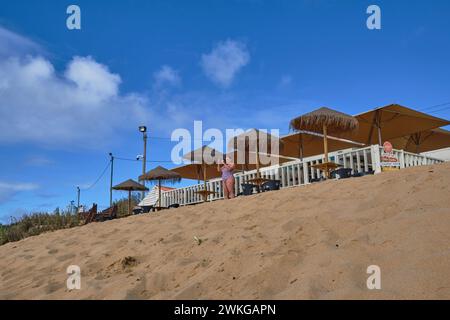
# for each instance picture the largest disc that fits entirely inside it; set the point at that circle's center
(66, 257)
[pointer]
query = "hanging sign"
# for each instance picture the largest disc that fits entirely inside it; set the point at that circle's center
(389, 161)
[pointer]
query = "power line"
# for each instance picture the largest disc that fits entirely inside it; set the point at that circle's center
(98, 179)
(148, 161)
(438, 110)
(437, 105)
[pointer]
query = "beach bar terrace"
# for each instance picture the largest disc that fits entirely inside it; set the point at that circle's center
(356, 154)
(361, 161)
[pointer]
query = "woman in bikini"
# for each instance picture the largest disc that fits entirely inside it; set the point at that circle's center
(227, 167)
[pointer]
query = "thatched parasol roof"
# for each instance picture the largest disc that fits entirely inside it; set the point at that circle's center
(161, 173)
(251, 138)
(204, 154)
(130, 185)
(335, 121)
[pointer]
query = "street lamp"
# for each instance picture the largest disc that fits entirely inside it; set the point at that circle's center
(143, 129)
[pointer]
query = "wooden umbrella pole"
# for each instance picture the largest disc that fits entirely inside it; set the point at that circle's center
(205, 198)
(257, 159)
(300, 149)
(380, 140)
(325, 143)
(159, 191)
(325, 150)
(129, 202)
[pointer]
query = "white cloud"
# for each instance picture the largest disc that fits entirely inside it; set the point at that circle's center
(14, 44)
(80, 107)
(225, 60)
(167, 75)
(38, 161)
(285, 81)
(8, 190)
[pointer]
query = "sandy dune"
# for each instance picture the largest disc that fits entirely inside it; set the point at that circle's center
(312, 242)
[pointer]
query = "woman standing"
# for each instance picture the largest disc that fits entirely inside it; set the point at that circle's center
(227, 167)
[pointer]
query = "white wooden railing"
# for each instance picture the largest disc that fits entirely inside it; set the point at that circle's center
(297, 172)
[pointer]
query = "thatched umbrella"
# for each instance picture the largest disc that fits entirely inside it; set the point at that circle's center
(249, 143)
(423, 141)
(304, 144)
(130, 185)
(204, 156)
(391, 122)
(158, 174)
(324, 121)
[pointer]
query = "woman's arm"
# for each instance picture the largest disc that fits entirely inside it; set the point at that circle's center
(230, 166)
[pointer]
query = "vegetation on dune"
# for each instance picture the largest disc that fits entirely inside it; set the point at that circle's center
(122, 205)
(39, 222)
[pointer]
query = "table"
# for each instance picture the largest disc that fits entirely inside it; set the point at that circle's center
(258, 181)
(205, 194)
(326, 167)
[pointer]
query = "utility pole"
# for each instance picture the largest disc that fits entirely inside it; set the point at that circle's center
(143, 129)
(78, 199)
(111, 179)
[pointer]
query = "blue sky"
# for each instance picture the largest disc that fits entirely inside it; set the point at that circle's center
(69, 97)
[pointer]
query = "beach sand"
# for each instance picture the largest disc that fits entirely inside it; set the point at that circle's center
(310, 242)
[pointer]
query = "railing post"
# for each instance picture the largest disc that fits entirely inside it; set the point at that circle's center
(376, 161)
(402, 159)
(305, 173)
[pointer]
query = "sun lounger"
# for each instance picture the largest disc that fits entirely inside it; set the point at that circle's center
(247, 189)
(361, 174)
(146, 209)
(108, 214)
(138, 210)
(90, 215)
(271, 185)
(341, 173)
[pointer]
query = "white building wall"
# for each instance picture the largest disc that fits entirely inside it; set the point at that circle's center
(443, 154)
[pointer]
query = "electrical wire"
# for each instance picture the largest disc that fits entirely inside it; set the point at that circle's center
(98, 179)
(147, 161)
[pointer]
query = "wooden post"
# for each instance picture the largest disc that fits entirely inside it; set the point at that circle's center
(325, 150)
(300, 142)
(380, 142)
(129, 202)
(205, 197)
(159, 191)
(257, 159)
(325, 143)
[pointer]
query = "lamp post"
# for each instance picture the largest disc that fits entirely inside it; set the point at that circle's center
(143, 129)
(111, 178)
(78, 199)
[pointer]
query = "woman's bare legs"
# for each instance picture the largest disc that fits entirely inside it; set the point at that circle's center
(225, 189)
(230, 187)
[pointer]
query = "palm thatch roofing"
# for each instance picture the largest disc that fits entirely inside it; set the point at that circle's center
(161, 173)
(130, 185)
(204, 154)
(248, 141)
(335, 121)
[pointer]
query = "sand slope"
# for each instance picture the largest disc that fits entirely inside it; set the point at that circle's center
(312, 242)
